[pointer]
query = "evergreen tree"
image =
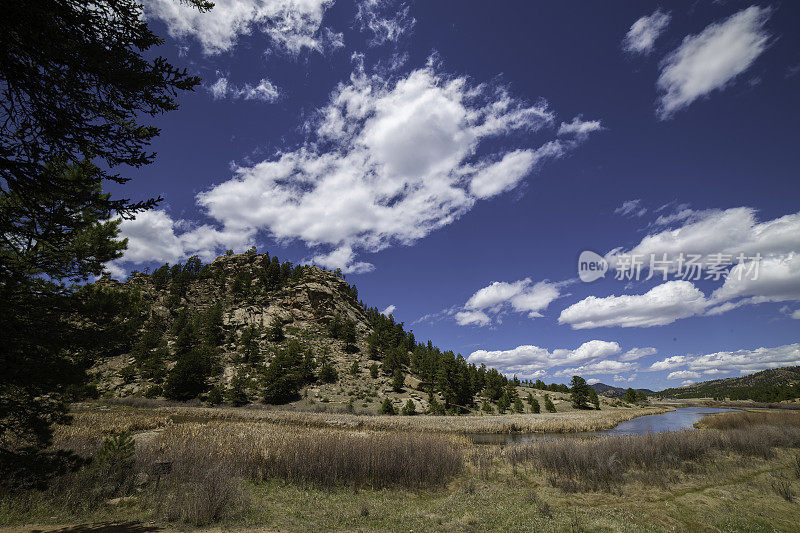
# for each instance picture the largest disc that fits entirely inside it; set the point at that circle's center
(249, 351)
(535, 408)
(328, 373)
(276, 330)
(354, 368)
(579, 392)
(409, 408)
(398, 380)
(373, 370)
(548, 404)
(387, 408)
(630, 395)
(236, 393)
(518, 407)
(189, 377)
(487, 408)
(594, 399)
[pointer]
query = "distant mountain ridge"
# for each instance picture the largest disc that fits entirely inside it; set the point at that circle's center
(614, 392)
(771, 385)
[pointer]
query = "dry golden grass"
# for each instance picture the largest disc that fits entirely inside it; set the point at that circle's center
(302, 478)
(563, 422)
(259, 451)
(745, 419)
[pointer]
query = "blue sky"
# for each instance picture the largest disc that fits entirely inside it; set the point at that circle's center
(455, 158)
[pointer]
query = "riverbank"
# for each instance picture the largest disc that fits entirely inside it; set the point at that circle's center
(251, 475)
(99, 418)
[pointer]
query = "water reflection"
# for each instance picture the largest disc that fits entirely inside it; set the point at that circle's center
(680, 418)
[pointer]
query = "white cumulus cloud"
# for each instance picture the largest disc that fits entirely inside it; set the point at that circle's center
(521, 296)
(637, 353)
(289, 25)
(742, 361)
(661, 305)
(530, 361)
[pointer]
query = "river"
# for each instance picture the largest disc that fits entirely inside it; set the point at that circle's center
(680, 418)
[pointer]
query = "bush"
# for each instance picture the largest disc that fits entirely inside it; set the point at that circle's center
(354, 368)
(211, 497)
(373, 370)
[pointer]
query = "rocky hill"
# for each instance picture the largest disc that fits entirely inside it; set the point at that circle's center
(614, 392)
(772, 385)
(248, 328)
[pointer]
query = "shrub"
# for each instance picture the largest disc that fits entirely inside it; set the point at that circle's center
(373, 370)
(354, 368)
(210, 497)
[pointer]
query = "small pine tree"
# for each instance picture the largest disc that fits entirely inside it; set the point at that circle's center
(350, 407)
(503, 403)
(276, 330)
(373, 370)
(434, 407)
(354, 368)
(214, 396)
(535, 406)
(518, 407)
(387, 408)
(630, 395)
(409, 408)
(236, 393)
(398, 380)
(548, 404)
(328, 373)
(486, 407)
(594, 399)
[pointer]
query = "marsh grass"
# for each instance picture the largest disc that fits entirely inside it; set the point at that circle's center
(322, 457)
(97, 418)
(603, 464)
(748, 419)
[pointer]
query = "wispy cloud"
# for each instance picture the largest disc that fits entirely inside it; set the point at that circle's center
(642, 36)
(709, 60)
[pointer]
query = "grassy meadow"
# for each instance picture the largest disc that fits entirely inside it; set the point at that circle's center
(248, 469)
